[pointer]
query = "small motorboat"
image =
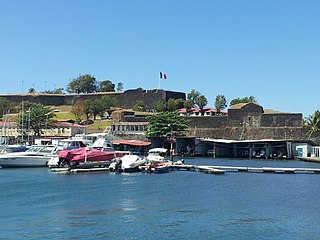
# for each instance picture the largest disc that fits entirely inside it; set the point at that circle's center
(156, 154)
(35, 156)
(156, 162)
(127, 163)
(156, 167)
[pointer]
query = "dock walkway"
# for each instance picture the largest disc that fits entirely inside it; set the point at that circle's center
(223, 169)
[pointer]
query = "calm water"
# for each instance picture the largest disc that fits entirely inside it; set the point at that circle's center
(38, 204)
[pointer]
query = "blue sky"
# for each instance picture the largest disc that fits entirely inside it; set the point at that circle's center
(269, 49)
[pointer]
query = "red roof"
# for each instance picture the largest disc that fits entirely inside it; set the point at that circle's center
(195, 110)
(131, 142)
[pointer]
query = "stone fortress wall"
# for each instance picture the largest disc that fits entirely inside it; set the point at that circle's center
(243, 121)
(249, 121)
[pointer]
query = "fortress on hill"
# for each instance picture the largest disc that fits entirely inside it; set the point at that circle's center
(125, 99)
(242, 121)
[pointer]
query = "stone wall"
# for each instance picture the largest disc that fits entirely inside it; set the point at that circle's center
(248, 121)
(125, 99)
(208, 121)
(281, 119)
(238, 133)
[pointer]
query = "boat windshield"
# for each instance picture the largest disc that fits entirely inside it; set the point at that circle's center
(42, 149)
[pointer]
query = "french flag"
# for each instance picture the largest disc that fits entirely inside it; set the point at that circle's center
(163, 75)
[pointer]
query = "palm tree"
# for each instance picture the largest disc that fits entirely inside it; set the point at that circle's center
(312, 123)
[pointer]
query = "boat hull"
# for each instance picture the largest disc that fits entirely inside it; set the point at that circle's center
(16, 162)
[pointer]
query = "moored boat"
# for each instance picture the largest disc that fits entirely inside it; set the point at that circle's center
(83, 158)
(156, 154)
(156, 167)
(35, 156)
(127, 163)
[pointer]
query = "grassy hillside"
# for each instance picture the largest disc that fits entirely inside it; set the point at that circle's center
(64, 113)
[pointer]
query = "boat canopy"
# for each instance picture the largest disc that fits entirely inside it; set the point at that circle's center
(158, 150)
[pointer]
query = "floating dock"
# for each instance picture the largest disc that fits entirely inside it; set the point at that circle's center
(209, 169)
(223, 169)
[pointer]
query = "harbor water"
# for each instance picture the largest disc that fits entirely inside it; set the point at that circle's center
(38, 204)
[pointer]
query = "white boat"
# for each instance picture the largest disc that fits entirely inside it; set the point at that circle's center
(4, 149)
(35, 156)
(156, 154)
(131, 163)
(156, 162)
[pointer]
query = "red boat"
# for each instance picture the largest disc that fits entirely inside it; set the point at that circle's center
(82, 156)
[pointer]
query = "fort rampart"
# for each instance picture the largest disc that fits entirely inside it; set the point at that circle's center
(125, 99)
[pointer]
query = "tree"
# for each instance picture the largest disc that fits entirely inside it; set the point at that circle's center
(54, 91)
(5, 106)
(201, 101)
(188, 105)
(312, 124)
(32, 90)
(166, 124)
(180, 103)
(220, 103)
(172, 105)
(82, 84)
(99, 106)
(139, 106)
(96, 106)
(120, 87)
(250, 99)
(87, 108)
(109, 103)
(160, 106)
(78, 110)
(106, 86)
(192, 96)
(36, 118)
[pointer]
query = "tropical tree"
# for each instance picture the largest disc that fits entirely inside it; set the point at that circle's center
(87, 108)
(250, 99)
(201, 101)
(54, 91)
(32, 90)
(312, 124)
(160, 106)
(82, 84)
(120, 87)
(36, 118)
(139, 106)
(5, 106)
(106, 86)
(192, 96)
(166, 124)
(188, 105)
(179, 103)
(78, 110)
(220, 103)
(96, 106)
(109, 104)
(172, 105)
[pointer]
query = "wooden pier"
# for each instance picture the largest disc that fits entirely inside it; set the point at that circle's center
(223, 169)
